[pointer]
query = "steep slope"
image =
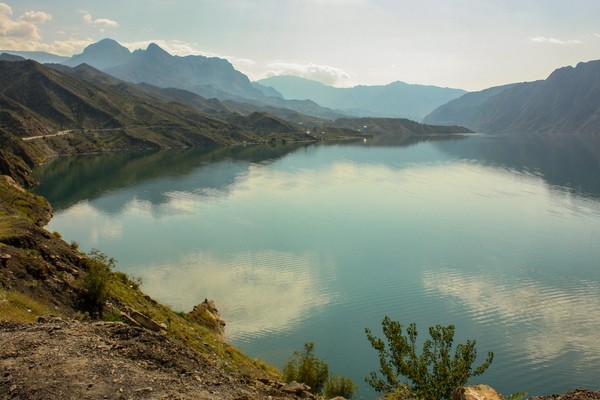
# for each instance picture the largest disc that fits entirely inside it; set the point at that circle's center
(567, 102)
(463, 108)
(397, 99)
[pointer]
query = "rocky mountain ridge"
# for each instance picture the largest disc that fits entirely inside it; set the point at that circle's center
(567, 102)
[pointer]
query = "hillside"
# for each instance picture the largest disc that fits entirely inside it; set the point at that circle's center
(84, 110)
(397, 99)
(567, 102)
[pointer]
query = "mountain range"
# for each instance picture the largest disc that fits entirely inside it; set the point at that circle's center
(396, 100)
(209, 77)
(212, 77)
(567, 102)
(56, 109)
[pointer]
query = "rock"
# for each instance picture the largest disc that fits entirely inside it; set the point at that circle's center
(146, 322)
(477, 392)
(338, 398)
(295, 387)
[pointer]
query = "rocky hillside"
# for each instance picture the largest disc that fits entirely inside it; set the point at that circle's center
(567, 102)
(82, 110)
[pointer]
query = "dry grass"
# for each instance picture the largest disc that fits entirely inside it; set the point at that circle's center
(18, 307)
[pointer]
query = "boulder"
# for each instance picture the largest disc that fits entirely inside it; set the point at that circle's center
(295, 387)
(477, 392)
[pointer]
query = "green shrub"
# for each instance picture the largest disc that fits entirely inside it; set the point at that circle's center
(305, 368)
(339, 386)
(95, 281)
(434, 374)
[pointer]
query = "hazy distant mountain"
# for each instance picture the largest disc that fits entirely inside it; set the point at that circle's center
(568, 101)
(397, 99)
(11, 57)
(102, 55)
(39, 56)
(209, 77)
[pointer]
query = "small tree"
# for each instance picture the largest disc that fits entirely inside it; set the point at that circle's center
(96, 280)
(305, 368)
(434, 374)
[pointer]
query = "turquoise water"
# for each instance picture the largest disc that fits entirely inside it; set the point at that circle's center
(498, 236)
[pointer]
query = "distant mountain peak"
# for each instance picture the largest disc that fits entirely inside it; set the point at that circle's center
(103, 54)
(154, 48)
(106, 45)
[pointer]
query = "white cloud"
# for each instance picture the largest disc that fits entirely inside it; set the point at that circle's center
(246, 287)
(35, 17)
(173, 47)
(544, 39)
(323, 73)
(15, 30)
(541, 316)
(22, 33)
(101, 23)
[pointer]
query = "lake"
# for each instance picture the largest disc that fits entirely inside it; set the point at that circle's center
(496, 235)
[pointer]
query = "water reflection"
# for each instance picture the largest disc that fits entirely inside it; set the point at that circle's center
(543, 321)
(257, 293)
(68, 180)
(569, 163)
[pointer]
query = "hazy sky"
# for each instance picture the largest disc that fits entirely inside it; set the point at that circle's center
(468, 44)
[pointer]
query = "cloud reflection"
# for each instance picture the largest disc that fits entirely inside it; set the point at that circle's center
(256, 293)
(545, 321)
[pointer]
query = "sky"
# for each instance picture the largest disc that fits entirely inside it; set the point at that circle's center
(466, 44)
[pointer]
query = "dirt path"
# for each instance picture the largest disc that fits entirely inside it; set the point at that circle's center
(60, 133)
(68, 131)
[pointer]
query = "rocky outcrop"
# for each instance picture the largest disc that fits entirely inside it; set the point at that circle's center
(477, 392)
(206, 314)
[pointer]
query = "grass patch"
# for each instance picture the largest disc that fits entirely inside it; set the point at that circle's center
(19, 307)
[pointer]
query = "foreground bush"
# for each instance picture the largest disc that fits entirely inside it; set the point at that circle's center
(434, 374)
(339, 386)
(305, 367)
(95, 281)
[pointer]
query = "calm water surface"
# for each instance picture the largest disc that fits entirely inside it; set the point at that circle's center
(498, 236)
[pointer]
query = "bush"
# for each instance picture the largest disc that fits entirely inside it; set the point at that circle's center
(434, 374)
(95, 286)
(339, 386)
(95, 282)
(305, 368)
